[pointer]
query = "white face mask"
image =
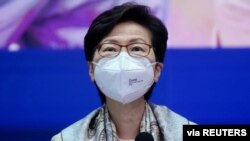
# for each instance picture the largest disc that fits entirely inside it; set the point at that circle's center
(124, 78)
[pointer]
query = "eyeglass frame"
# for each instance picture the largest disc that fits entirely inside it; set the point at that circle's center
(99, 47)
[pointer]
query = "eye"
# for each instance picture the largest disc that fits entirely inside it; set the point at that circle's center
(137, 48)
(109, 48)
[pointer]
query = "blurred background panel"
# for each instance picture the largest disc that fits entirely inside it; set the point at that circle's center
(209, 23)
(44, 82)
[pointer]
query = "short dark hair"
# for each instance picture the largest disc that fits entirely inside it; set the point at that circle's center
(103, 24)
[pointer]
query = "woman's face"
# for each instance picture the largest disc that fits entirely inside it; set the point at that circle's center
(126, 33)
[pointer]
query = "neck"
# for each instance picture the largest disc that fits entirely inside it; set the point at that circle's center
(126, 117)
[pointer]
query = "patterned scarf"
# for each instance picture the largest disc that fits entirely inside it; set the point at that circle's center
(102, 128)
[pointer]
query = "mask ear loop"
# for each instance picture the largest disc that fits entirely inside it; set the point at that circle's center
(95, 63)
(152, 64)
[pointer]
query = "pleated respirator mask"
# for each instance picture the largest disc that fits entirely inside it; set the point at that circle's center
(124, 78)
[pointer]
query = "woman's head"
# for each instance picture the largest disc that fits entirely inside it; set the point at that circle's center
(127, 27)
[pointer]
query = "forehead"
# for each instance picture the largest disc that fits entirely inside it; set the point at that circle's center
(128, 32)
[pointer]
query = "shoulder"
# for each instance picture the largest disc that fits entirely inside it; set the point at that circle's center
(170, 122)
(76, 130)
(56, 137)
(168, 115)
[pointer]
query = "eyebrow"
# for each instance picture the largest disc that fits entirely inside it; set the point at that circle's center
(134, 40)
(110, 41)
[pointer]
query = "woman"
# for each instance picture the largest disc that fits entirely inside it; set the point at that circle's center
(125, 49)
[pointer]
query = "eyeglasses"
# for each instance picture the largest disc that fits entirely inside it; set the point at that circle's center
(134, 49)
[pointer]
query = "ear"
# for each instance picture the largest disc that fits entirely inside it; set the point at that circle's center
(91, 71)
(158, 68)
